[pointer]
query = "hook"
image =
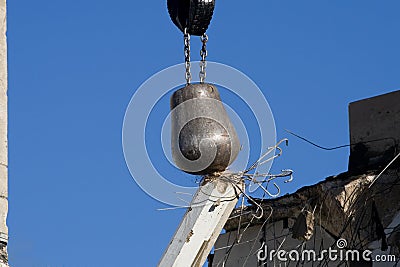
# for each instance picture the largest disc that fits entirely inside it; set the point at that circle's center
(271, 158)
(272, 195)
(269, 150)
(288, 172)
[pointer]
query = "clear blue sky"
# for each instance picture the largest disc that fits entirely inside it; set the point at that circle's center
(74, 65)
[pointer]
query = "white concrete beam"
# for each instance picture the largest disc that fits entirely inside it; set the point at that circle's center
(202, 224)
(3, 124)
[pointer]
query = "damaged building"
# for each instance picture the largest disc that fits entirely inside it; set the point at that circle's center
(355, 214)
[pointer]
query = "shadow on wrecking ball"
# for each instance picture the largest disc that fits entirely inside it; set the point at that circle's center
(204, 140)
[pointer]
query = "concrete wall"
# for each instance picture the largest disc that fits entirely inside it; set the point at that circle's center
(375, 118)
(359, 209)
(3, 134)
(275, 235)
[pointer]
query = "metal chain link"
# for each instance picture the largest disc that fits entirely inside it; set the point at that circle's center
(188, 75)
(203, 54)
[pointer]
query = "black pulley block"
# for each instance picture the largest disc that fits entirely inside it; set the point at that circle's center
(195, 15)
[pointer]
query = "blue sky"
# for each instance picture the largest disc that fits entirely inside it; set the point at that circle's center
(74, 65)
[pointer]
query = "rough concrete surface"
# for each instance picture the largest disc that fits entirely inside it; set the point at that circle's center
(3, 134)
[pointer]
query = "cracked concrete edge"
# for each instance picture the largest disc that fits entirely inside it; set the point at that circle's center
(331, 191)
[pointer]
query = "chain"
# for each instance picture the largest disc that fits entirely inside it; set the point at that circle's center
(188, 75)
(203, 54)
